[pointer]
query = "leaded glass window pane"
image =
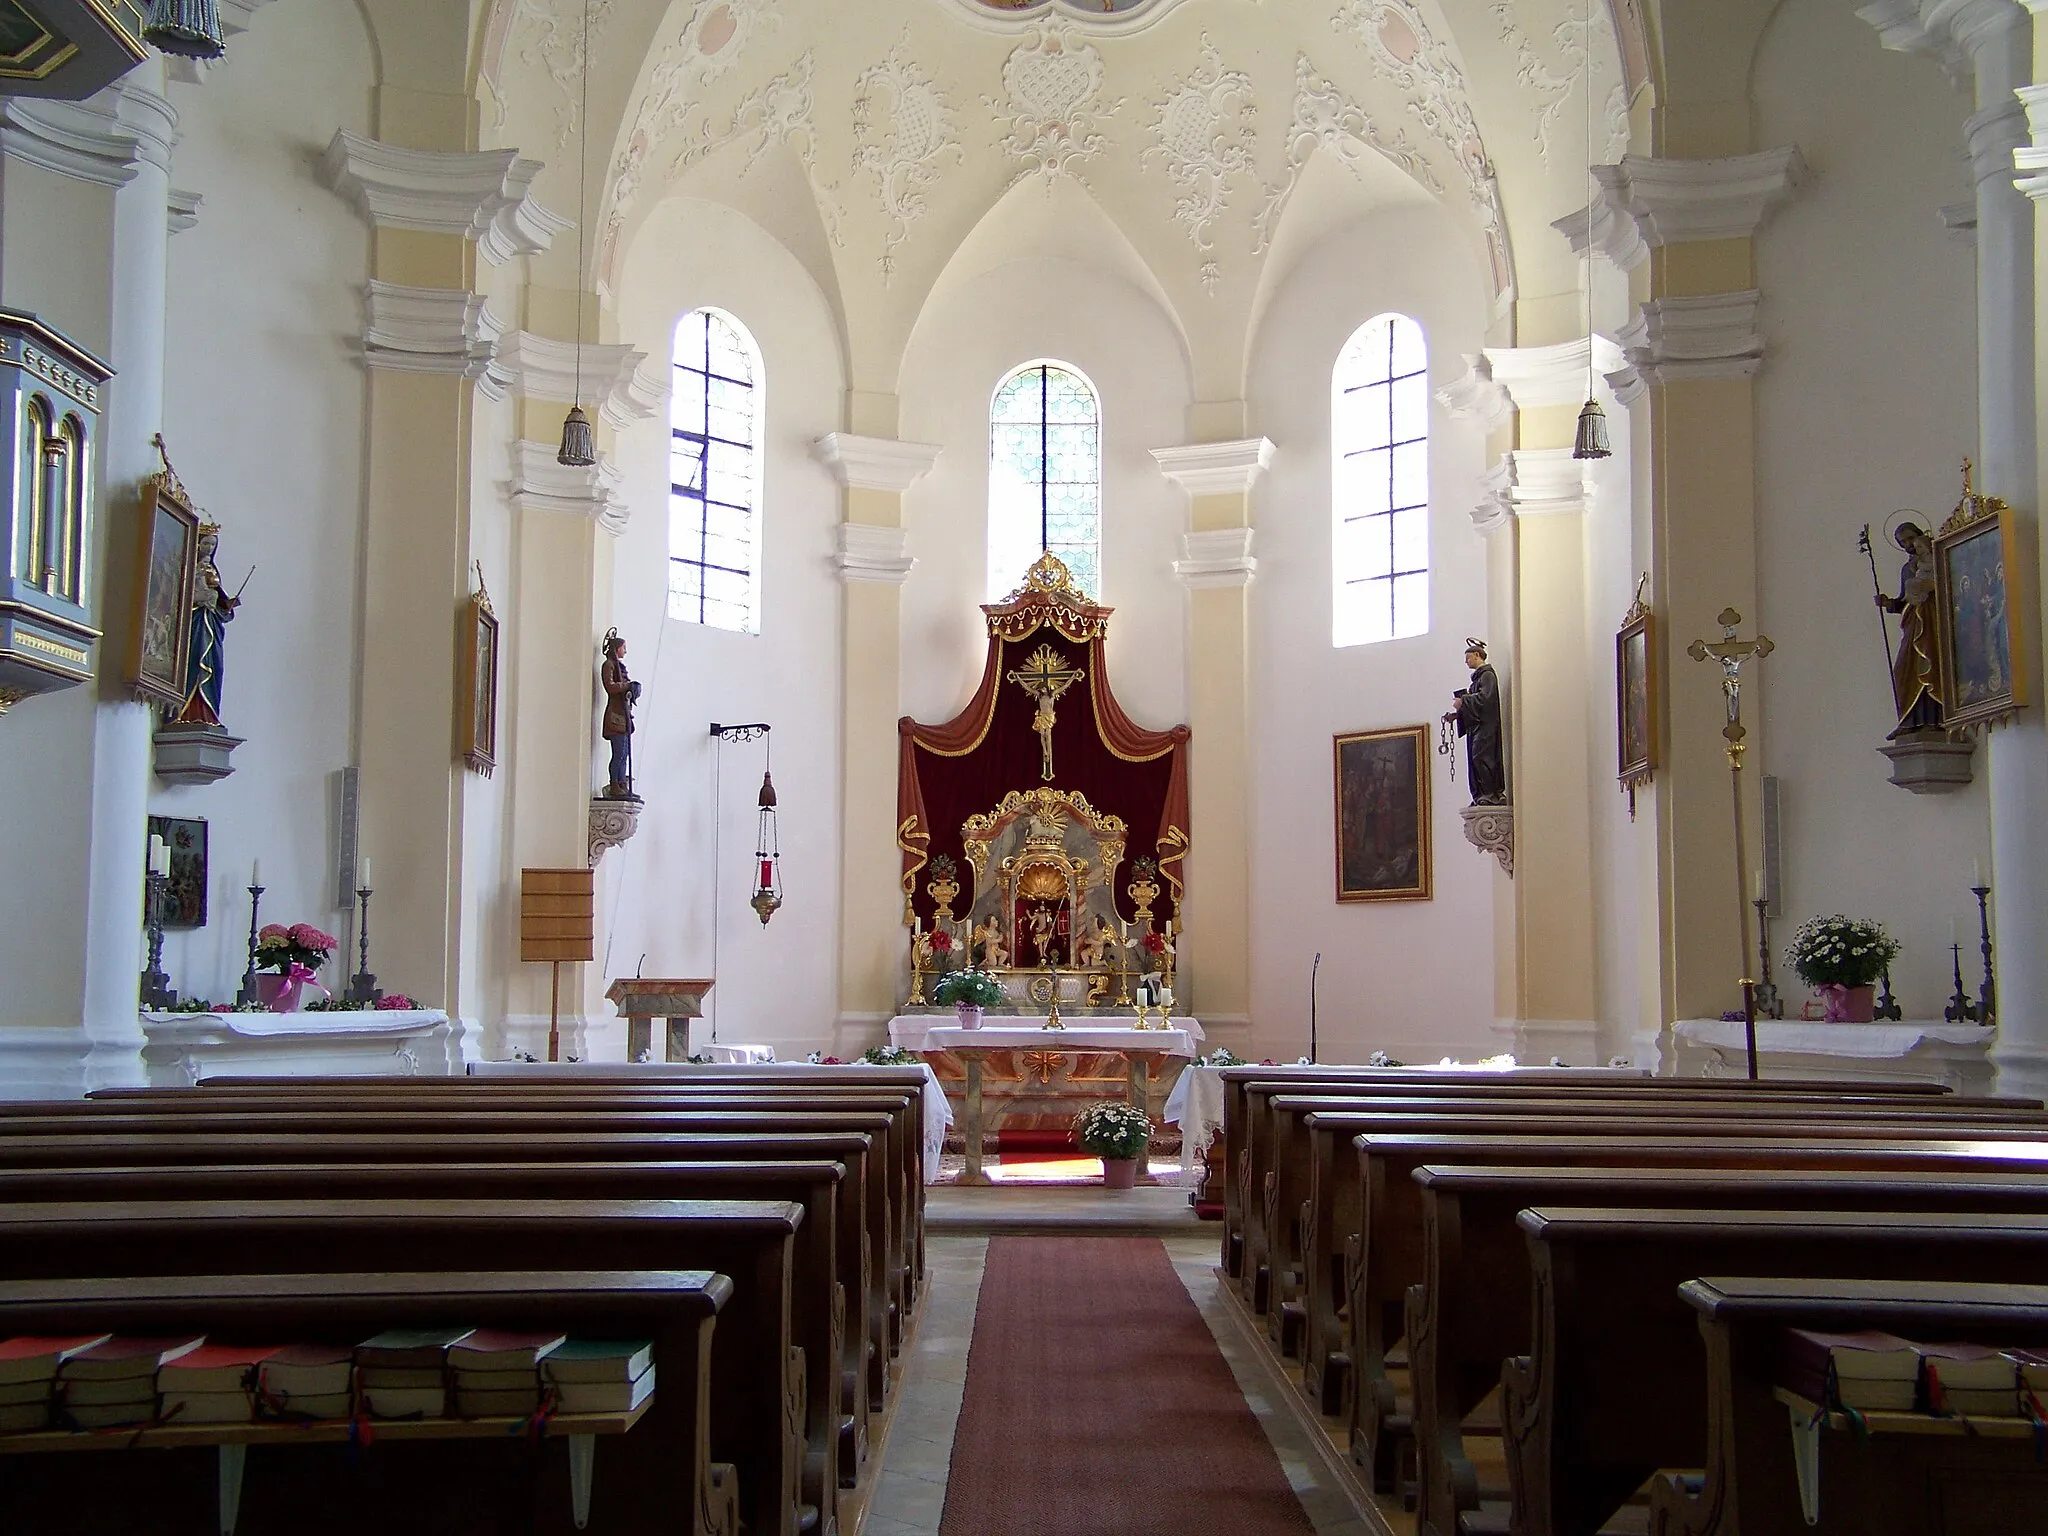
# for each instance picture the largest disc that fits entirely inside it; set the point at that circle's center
(714, 474)
(1045, 477)
(1379, 425)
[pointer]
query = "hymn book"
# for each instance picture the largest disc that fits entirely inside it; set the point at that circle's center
(1865, 1371)
(598, 1360)
(30, 1359)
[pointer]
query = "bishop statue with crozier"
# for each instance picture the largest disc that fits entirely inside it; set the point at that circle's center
(1476, 713)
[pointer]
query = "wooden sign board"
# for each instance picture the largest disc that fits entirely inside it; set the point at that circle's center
(556, 915)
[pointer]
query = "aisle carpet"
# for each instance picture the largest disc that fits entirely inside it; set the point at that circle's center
(1097, 1404)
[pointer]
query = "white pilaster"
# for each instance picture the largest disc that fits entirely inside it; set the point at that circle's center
(428, 330)
(870, 552)
(1705, 336)
(1221, 557)
(485, 196)
(1216, 469)
(874, 463)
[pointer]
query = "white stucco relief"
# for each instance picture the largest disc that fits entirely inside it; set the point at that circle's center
(780, 111)
(1052, 89)
(1325, 118)
(1203, 130)
(903, 126)
(549, 35)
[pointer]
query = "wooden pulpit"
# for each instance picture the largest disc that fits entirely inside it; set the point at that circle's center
(643, 999)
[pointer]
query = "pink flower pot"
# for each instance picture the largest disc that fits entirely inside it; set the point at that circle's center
(968, 1014)
(278, 993)
(1120, 1173)
(1849, 1005)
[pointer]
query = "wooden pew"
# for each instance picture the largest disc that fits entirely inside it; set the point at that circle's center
(1313, 1195)
(1390, 1257)
(658, 1478)
(1472, 1309)
(1954, 1484)
(757, 1373)
(822, 1306)
(1615, 1387)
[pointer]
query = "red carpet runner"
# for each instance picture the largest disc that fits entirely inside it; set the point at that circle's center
(1098, 1405)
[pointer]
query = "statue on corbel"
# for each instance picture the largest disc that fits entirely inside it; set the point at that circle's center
(192, 746)
(615, 809)
(1476, 714)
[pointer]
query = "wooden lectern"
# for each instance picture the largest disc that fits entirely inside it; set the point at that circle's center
(557, 923)
(643, 999)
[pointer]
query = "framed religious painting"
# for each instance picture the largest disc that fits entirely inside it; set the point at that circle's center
(185, 890)
(1635, 699)
(1982, 660)
(478, 732)
(167, 566)
(1383, 825)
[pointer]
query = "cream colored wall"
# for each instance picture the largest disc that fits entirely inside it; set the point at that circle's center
(777, 983)
(1413, 978)
(1866, 404)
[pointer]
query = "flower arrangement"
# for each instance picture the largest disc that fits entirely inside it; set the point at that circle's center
(1841, 951)
(1382, 1059)
(1222, 1056)
(942, 946)
(976, 989)
(1112, 1128)
(817, 1059)
(1153, 948)
(279, 948)
(889, 1056)
(396, 1002)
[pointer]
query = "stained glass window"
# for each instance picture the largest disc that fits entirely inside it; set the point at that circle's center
(714, 474)
(1379, 434)
(1045, 477)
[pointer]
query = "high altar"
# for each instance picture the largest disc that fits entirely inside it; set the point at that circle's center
(1016, 821)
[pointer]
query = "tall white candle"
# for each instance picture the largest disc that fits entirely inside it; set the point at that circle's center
(256, 872)
(364, 879)
(1976, 871)
(1757, 887)
(159, 856)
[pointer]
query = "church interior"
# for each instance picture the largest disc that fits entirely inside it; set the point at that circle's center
(1114, 764)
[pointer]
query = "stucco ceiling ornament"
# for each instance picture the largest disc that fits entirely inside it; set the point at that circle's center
(1052, 88)
(1203, 131)
(902, 127)
(1325, 118)
(1413, 58)
(553, 44)
(1552, 89)
(780, 111)
(709, 43)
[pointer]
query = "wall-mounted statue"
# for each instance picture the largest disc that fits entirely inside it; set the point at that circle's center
(621, 693)
(1476, 713)
(212, 608)
(1916, 683)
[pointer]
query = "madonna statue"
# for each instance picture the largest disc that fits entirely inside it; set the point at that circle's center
(212, 608)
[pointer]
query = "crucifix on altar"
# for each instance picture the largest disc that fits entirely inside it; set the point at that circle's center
(1045, 676)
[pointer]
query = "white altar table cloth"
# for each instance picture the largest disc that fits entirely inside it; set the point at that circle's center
(1868, 1042)
(938, 1114)
(934, 1032)
(1196, 1106)
(741, 1055)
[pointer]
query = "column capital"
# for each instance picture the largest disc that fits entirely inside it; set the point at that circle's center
(1704, 336)
(1601, 228)
(485, 196)
(1530, 482)
(1953, 31)
(1674, 201)
(615, 377)
(1220, 557)
(2030, 158)
(1216, 469)
(1527, 378)
(870, 552)
(103, 139)
(429, 330)
(541, 483)
(874, 463)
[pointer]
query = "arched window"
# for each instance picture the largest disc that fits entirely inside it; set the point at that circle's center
(1044, 477)
(1379, 437)
(714, 498)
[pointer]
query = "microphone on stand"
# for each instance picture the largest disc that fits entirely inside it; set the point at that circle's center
(1313, 968)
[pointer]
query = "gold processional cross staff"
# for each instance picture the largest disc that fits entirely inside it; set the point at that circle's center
(1731, 653)
(1045, 676)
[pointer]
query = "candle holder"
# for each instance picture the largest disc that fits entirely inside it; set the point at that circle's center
(1987, 993)
(1052, 1017)
(1768, 1004)
(156, 990)
(1887, 1006)
(1960, 1009)
(362, 987)
(247, 998)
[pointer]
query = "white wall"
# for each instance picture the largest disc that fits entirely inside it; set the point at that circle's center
(263, 412)
(777, 983)
(1867, 403)
(1412, 978)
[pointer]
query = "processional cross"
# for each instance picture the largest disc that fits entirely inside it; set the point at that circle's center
(1731, 653)
(1045, 676)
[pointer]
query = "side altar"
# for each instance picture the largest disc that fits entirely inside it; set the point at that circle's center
(1044, 839)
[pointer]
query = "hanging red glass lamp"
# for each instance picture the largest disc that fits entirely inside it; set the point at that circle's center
(767, 895)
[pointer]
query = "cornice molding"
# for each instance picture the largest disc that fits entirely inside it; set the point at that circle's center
(182, 209)
(1708, 336)
(485, 196)
(871, 552)
(103, 139)
(874, 463)
(428, 330)
(1674, 201)
(1220, 557)
(1504, 379)
(1952, 31)
(1216, 469)
(1602, 229)
(543, 368)
(1531, 482)
(2030, 160)
(1475, 395)
(541, 483)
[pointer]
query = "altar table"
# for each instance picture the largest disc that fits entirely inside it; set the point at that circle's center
(1912, 1050)
(181, 1048)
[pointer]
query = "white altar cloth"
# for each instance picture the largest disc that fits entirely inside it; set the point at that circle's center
(741, 1055)
(1915, 1050)
(934, 1032)
(1196, 1106)
(938, 1114)
(1799, 1037)
(181, 1048)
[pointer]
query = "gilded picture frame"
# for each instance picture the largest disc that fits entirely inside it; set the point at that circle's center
(185, 890)
(166, 569)
(477, 727)
(1383, 827)
(1635, 701)
(1982, 657)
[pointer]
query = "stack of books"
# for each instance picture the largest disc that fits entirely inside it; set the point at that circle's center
(1867, 1371)
(113, 1382)
(403, 1372)
(28, 1378)
(215, 1384)
(600, 1375)
(307, 1381)
(497, 1374)
(1973, 1380)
